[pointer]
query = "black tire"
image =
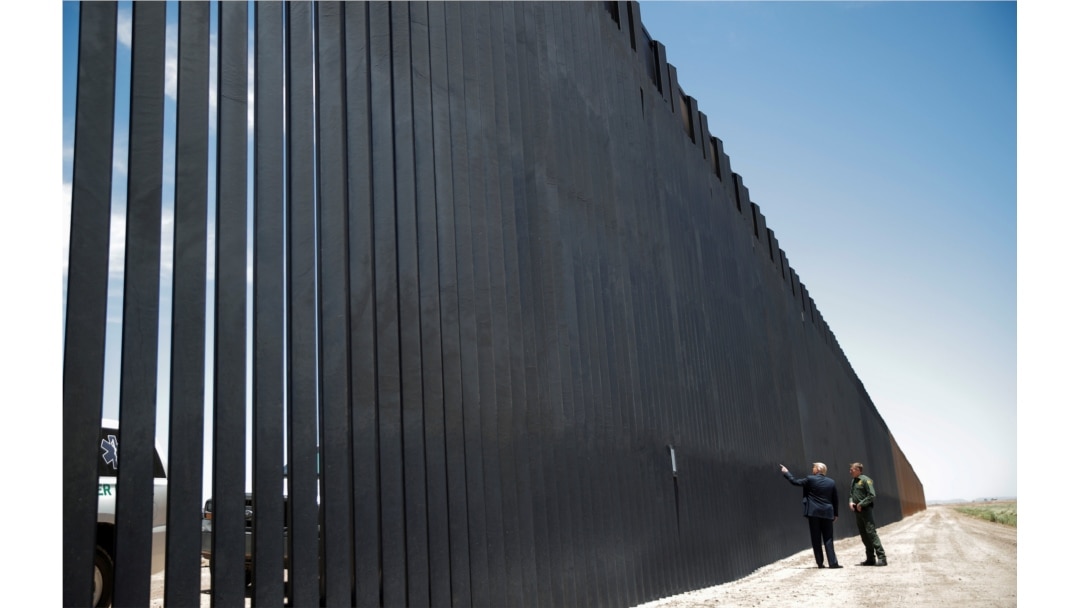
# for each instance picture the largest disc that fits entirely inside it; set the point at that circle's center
(103, 578)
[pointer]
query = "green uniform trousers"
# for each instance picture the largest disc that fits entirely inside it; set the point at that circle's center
(868, 532)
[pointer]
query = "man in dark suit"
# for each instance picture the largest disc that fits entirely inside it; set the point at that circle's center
(821, 505)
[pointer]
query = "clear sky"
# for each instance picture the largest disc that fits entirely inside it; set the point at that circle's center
(879, 140)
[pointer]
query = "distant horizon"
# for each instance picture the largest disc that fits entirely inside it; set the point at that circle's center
(949, 501)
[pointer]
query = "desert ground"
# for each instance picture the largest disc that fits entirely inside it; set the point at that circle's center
(937, 558)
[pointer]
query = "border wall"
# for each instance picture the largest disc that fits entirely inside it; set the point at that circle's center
(521, 333)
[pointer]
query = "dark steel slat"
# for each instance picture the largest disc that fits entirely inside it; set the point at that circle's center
(142, 270)
(387, 325)
(183, 571)
(523, 112)
(571, 452)
(542, 223)
(364, 430)
(268, 352)
(573, 216)
(496, 400)
(302, 413)
(614, 279)
(609, 509)
(427, 25)
(334, 365)
(451, 158)
(481, 161)
(87, 292)
(470, 195)
(404, 18)
(517, 496)
(230, 303)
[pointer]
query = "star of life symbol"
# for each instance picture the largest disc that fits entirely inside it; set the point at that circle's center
(111, 455)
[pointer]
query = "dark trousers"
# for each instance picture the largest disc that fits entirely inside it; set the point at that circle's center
(868, 533)
(821, 532)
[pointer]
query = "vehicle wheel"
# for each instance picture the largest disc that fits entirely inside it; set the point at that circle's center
(103, 578)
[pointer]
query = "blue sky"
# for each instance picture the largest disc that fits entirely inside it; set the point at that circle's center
(880, 141)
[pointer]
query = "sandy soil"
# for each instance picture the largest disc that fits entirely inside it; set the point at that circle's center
(937, 558)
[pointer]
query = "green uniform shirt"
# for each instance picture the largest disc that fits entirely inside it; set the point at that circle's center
(862, 491)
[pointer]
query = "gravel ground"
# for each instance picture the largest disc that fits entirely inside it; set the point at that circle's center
(937, 558)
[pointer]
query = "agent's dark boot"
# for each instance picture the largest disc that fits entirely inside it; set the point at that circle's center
(882, 562)
(869, 562)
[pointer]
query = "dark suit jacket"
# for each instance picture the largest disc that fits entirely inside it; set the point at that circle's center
(820, 498)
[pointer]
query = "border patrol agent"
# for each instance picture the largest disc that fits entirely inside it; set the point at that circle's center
(861, 501)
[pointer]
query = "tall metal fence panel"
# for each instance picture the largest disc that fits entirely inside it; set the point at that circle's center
(478, 276)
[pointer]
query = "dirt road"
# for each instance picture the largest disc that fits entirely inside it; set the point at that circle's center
(937, 558)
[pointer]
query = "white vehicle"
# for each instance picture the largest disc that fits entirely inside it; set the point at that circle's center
(108, 465)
